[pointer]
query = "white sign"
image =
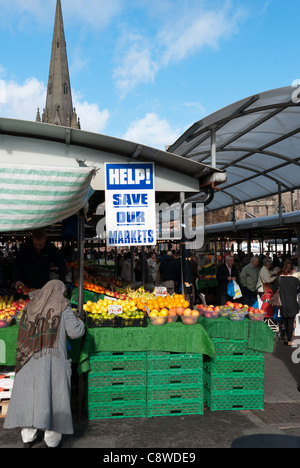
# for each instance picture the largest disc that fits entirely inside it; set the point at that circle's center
(115, 309)
(160, 291)
(130, 204)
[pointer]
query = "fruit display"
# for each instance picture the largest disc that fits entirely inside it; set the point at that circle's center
(22, 289)
(9, 309)
(190, 317)
(256, 315)
(233, 311)
(132, 313)
(210, 312)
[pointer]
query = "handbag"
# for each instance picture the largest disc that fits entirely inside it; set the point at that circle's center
(275, 301)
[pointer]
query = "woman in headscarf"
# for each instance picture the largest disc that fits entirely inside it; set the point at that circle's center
(42, 386)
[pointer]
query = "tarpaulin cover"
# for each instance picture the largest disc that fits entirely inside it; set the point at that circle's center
(38, 196)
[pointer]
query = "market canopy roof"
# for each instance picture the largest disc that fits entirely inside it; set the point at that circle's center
(256, 141)
(37, 196)
(53, 144)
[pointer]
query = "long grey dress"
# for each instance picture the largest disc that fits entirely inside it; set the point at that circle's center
(41, 392)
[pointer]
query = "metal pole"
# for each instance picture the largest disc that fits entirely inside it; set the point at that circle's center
(213, 148)
(183, 240)
(298, 246)
(81, 220)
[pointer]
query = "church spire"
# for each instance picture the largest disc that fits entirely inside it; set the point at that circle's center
(59, 105)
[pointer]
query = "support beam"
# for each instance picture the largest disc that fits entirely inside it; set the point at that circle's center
(213, 148)
(81, 219)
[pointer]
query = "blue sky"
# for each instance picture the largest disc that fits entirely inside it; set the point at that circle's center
(146, 70)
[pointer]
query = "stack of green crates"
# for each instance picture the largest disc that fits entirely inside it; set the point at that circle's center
(116, 385)
(174, 384)
(234, 378)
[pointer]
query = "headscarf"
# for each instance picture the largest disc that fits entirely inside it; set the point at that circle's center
(38, 332)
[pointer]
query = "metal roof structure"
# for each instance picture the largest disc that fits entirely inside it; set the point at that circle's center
(270, 226)
(53, 144)
(37, 144)
(256, 141)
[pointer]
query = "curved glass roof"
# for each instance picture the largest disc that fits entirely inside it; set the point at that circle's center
(257, 143)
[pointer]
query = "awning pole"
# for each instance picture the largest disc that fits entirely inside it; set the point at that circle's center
(81, 220)
(298, 246)
(213, 148)
(183, 241)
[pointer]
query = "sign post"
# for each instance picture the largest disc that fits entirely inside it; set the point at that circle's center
(130, 204)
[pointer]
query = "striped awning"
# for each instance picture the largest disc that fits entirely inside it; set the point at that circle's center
(37, 196)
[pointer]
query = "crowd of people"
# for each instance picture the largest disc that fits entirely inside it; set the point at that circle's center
(260, 275)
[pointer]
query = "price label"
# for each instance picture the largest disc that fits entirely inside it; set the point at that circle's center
(115, 309)
(161, 292)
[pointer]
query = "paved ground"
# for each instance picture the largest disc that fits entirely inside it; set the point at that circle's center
(278, 425)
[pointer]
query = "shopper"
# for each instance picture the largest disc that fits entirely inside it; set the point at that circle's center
(42, 386)
(266, 277)
(127, 268)
(170, 272)
(34, 260)
(226, 273)
(249, 279)
(152, 266)
(289, 287)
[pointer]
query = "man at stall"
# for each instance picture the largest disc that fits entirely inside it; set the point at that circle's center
(249, 280)
(170, 272)
(34, 261)
(225, 273)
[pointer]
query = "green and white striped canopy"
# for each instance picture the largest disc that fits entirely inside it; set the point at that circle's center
(37, 196)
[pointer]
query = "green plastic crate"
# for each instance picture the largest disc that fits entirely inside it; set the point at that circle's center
(175, 377)
(132, 409)
(104, 379)
(186, 391)
(225, 382)
(225, 347)
(235, 364)
(172, 361)
(118, 362)
(116, 394)
(234, 400)
(176, 407)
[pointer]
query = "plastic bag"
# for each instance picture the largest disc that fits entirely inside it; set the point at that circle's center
(233, 290)
(230, 289)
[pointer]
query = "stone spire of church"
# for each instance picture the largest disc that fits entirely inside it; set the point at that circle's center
(59, 106)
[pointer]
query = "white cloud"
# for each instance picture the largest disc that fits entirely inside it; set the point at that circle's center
(136, 66)
(91, 117)
(184, 33)
(21, 100)
(195, 105)
(152, 131)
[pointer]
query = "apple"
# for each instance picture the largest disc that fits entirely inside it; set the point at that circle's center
(180, 310)
(172, 312)
(195, 312)
(187, 312)
(3, 323)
